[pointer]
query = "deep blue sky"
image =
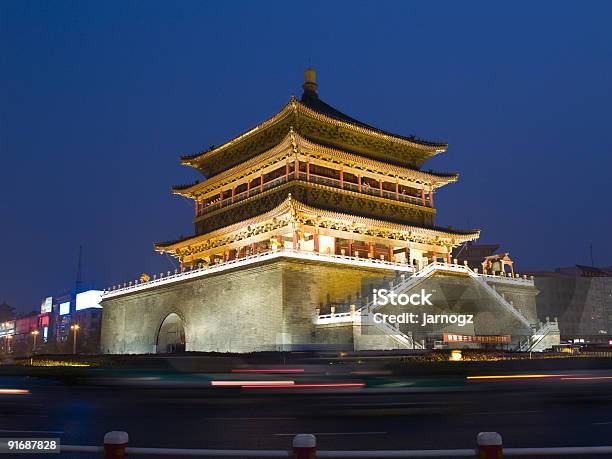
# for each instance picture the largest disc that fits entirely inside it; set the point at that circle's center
(99, 100)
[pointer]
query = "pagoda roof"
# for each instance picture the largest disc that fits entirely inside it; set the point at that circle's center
(340, 130)
(295, 141)
(297, 210)
(311, 100)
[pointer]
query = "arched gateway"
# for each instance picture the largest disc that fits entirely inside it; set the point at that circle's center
(171, 335)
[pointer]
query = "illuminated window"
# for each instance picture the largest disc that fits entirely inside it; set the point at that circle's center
(64, 308)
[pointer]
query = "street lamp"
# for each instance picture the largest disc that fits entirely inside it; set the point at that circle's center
(34, 335)
(74, 328)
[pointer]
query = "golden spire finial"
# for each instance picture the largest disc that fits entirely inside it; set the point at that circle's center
(310, 81)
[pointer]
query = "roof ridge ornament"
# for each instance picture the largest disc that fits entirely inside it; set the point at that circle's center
(292, 207)
(293, 140)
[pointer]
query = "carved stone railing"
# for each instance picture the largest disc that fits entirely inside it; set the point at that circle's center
(178, 276)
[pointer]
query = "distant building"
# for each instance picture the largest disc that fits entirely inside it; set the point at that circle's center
(581, 298)
(52, 330)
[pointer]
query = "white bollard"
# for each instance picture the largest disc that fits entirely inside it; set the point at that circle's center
(489, 445)
(115, 443)
(304, 446)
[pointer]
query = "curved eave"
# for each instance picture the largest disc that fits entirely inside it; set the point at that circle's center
(185, 189)
(294, 105)
(431, 147)
(436, 179)
(192, 160)
(290, 205)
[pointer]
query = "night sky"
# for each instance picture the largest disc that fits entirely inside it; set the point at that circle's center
(99, 100)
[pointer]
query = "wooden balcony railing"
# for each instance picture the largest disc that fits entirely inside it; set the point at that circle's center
(313, 178)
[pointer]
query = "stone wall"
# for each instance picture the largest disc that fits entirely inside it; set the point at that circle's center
(272, 305)
(269, 306)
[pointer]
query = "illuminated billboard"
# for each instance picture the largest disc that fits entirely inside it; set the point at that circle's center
(89, 299)
(64, 308)
(7, 328)
(46, 305)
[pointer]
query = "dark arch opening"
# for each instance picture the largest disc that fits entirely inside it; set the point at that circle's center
(171, 335)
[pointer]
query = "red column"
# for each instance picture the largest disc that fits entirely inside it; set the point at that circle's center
(390, 253)
(261, 182)
(396, 190)
(371, 250)
(296, 167)
(316, 242)
(287, 170)
(431, 197)
(253, 248)
(221, 202)
(341, 178)
(448, 258)
(350, 247)
(233, 193)
(380, 187)
(359, 182)
(407, 251)
(308, 170)
(423, 195)
(295, 240)
(248, 188)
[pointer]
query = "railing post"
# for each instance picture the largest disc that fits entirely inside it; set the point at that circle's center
(489, 445)
(115, 443)
(304, 446)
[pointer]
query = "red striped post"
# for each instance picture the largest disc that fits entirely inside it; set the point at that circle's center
(114, 445)
(490, 445)
(304, 446)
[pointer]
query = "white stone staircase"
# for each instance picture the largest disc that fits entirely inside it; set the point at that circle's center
(396, 334)
(366, 319)
(544, 337)
(427, 271)
(365, 314)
